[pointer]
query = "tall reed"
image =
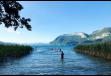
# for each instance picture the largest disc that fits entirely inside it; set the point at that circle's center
(14, 50)
(102, 49)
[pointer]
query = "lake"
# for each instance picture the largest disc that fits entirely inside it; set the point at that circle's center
(45, 61)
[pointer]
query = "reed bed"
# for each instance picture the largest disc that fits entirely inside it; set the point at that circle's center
(102, 49)
(14, 51)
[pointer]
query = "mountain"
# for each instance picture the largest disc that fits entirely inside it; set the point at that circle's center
(38, 44)
(101, 35)
(6, 43)
(1, 42)
(70, 39)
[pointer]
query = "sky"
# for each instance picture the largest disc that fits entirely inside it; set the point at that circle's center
(50, 19)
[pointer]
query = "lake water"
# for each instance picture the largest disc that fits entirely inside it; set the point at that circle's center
(44, 61)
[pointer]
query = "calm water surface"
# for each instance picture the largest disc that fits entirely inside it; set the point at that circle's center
(44, 61)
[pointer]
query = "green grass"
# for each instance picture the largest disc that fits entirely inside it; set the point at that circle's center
(102, 49)
(14, 51)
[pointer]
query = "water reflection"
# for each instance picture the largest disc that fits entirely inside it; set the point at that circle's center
(62, 61)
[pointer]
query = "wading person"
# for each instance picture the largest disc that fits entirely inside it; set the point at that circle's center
(62, 54)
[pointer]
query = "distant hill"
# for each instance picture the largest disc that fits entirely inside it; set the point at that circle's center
(7, 43)
(101, 35)
(1, 42)
(70, 39)
(38, 44)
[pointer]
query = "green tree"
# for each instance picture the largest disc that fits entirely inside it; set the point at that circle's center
(10, 17)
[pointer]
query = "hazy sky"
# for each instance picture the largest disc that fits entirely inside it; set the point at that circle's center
(51, 19)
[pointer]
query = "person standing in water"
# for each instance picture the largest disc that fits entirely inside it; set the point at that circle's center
(62, 54)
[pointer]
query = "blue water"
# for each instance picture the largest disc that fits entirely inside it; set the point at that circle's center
(44, 61)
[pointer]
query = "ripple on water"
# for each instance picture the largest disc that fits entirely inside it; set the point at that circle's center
(47, 62)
